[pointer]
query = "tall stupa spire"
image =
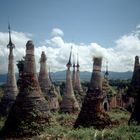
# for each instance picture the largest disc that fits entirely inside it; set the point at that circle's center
(11, 89)
(78, 86)
(78, 61)
(10, 40)
(69, 62)
(69, 103)
(11, 79)
(74, 72)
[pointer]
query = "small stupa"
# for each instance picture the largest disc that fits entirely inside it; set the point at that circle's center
(44, 80)
(106, 72)
(69, 103)
(29, 114)
(53, 99)
(59, 94)
(46, 85)
(11, 89)
(92, 112)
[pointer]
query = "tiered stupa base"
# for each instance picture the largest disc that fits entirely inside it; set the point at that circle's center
(69, 105)
(91, 113)
(27, 117)
(6, 103)
(29, 114)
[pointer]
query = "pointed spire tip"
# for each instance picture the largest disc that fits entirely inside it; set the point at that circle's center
(10, 44)
(69, 62)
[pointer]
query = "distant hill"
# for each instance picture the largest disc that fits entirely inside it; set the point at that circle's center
(61, 76)
(120, 75)
(2, 78)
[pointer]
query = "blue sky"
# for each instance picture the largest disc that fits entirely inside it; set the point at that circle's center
(107, 28)
(82, 21)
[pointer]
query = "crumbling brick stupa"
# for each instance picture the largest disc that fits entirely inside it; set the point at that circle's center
(92, 113)
(11, 89)
(44, 80)
(46, 85)
(53, 99)
(133, 90)
(134, 94)
(29, 114)
(69, 103)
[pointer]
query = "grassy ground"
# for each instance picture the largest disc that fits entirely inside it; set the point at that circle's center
(61, 128)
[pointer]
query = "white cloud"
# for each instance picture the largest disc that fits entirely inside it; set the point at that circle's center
(56, 32)
(120, 57)
(19, 39)
(127, 47)
(138, 26)
(56, 41)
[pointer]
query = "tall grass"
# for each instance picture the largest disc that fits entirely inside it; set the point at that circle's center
(123, 132)
(62, 129)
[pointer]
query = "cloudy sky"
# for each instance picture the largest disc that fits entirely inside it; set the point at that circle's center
(107, 28)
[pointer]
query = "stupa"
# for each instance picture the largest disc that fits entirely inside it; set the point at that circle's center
(11, 89)
(29, 114)
(69, 103)
(92, 112)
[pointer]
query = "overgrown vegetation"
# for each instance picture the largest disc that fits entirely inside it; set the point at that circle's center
(61, 128)
(119, 115)
(61, 125)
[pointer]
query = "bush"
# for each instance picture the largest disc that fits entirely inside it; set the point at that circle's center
(2, 121)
